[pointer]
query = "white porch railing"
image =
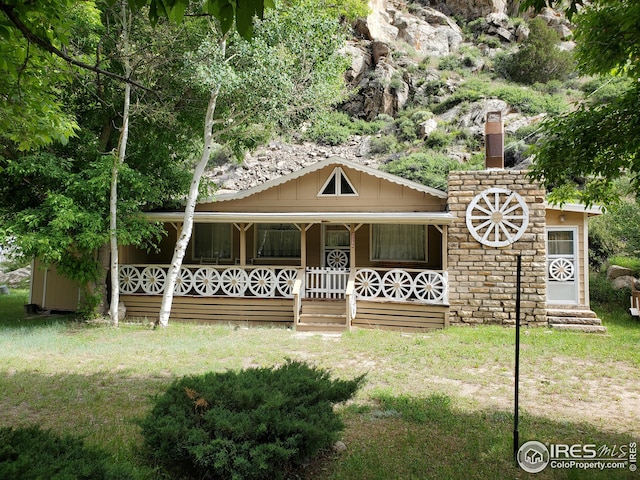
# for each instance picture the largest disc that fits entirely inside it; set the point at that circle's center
(397, 284)
(250, 281)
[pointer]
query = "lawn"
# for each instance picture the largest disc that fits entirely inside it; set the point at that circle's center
(435, 405)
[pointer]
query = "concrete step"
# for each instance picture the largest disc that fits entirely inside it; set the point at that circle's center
(569, 312)
(574, 320)
(579, 328)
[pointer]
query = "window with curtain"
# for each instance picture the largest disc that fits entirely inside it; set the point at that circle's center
(212, 240)
(277, 240)
(399, 242)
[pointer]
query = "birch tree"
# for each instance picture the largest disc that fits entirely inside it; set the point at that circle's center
(290, 69)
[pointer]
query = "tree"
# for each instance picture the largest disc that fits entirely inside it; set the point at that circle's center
(582, 152)
(539, 59)
(289, 69)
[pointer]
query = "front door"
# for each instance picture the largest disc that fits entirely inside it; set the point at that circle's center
(562, 265)
(336, 249)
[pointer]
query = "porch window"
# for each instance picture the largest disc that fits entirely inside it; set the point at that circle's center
(212, 241)
(277, 240)
(399, 242)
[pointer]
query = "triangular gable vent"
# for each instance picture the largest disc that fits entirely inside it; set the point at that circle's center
(337, 185)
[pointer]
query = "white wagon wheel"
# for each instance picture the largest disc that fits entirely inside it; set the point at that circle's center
(262, 282)
(285, 280)
(184, 282)
(429, 286)
(561, 269)
(396, 284)
(206, 281)
(497, 217)
(153, 279)
(129, 279)
(234, 281)
(337, 259)
(368, 283)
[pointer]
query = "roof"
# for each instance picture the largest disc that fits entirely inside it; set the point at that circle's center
(575, 207)
(338, 161)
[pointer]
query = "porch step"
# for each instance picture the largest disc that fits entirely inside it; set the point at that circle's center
(321, 327)
(576, 319)
(322, 316)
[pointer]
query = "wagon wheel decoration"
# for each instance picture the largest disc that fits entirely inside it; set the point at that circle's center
(262, 282)
(396, 284)
(206, 281)
(234, 281)
(129, 279)
(368, 283)
(429, 286)
(285, 280)
(184, 282)
(153, 280)
(497, 217)
(561, 269)
(337, 259)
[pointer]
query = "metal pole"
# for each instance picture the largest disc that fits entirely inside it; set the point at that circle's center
(516, 435)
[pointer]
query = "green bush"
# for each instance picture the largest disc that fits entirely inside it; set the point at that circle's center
(601, 291)
(383, 144)
(632, 263)
(331, 128)
(251, 424)
(32, 454)
(539, 59)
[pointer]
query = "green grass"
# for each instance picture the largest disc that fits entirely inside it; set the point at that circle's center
(435, 405)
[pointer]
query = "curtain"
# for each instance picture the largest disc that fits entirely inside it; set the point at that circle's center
(398, 242)
(278, 240)
(212, 240)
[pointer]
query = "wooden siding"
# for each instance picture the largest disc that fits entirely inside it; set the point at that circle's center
(252, 311)
(301, 195)
(52, 291)
(401, 316)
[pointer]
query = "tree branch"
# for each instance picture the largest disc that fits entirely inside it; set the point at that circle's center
(47, 46)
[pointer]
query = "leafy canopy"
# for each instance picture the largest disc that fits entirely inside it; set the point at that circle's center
(582, 152)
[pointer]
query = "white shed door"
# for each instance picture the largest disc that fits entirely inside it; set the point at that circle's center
(562, 265)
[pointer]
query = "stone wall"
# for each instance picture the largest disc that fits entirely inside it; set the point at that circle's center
(482, 279)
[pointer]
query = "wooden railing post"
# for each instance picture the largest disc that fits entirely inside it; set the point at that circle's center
(350, 297)
(298, 295)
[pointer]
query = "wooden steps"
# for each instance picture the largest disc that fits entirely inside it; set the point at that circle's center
(322, 316)
(575, 319)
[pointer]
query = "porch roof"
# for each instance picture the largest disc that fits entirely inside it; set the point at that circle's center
(424, 218)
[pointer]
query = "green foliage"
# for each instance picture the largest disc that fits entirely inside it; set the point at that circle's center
(438, 141)
(31, 454)
(383, 144)
(335, 128)
(632, 263)
(428, 168)
(602, 292)
(539, 59)
(617, 232)
(247, 424)
(606, 88)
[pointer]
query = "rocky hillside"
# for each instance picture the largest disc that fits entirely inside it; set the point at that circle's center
(427, 82)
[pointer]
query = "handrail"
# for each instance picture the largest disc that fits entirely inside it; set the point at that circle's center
(350, 297)
(298, 294)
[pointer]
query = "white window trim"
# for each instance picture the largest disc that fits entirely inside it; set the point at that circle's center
(577, 261)
(337, 174)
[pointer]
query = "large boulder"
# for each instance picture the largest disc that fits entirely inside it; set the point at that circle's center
(17, 278)
(616, 271)
(470, 9)
(428, 31)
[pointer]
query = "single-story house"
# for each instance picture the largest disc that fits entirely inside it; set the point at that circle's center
(338, 244)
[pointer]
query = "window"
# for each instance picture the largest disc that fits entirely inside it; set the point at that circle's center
(277, 240)
(337, 185)
(212, 241)
(399, 242)
(560, 242)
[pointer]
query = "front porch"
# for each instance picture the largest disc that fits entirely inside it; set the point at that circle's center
(311, 299)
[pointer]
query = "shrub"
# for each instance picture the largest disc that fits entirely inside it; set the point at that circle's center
(332, 128)
(246, 425)
(32, 453)
(632, 263)
(601, 291)
(539, 59)
(383, 144)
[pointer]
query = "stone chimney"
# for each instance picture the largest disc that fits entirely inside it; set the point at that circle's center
(494, 141)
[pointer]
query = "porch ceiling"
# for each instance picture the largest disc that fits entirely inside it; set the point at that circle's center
(423, 218)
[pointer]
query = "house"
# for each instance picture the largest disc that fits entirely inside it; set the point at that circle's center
(338, 244)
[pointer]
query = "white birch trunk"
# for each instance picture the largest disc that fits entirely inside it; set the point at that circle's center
(117, 162)
(184, 233)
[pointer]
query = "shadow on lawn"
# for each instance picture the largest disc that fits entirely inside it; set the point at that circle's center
(424, 438)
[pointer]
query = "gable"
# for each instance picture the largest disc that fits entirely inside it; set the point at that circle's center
(333, 185)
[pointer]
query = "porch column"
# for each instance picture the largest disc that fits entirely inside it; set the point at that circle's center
(303, 245)
(352, 245)
(444, 233)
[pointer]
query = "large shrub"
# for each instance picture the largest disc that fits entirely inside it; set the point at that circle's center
(250, 424)
(33, 454)
(539, 59)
